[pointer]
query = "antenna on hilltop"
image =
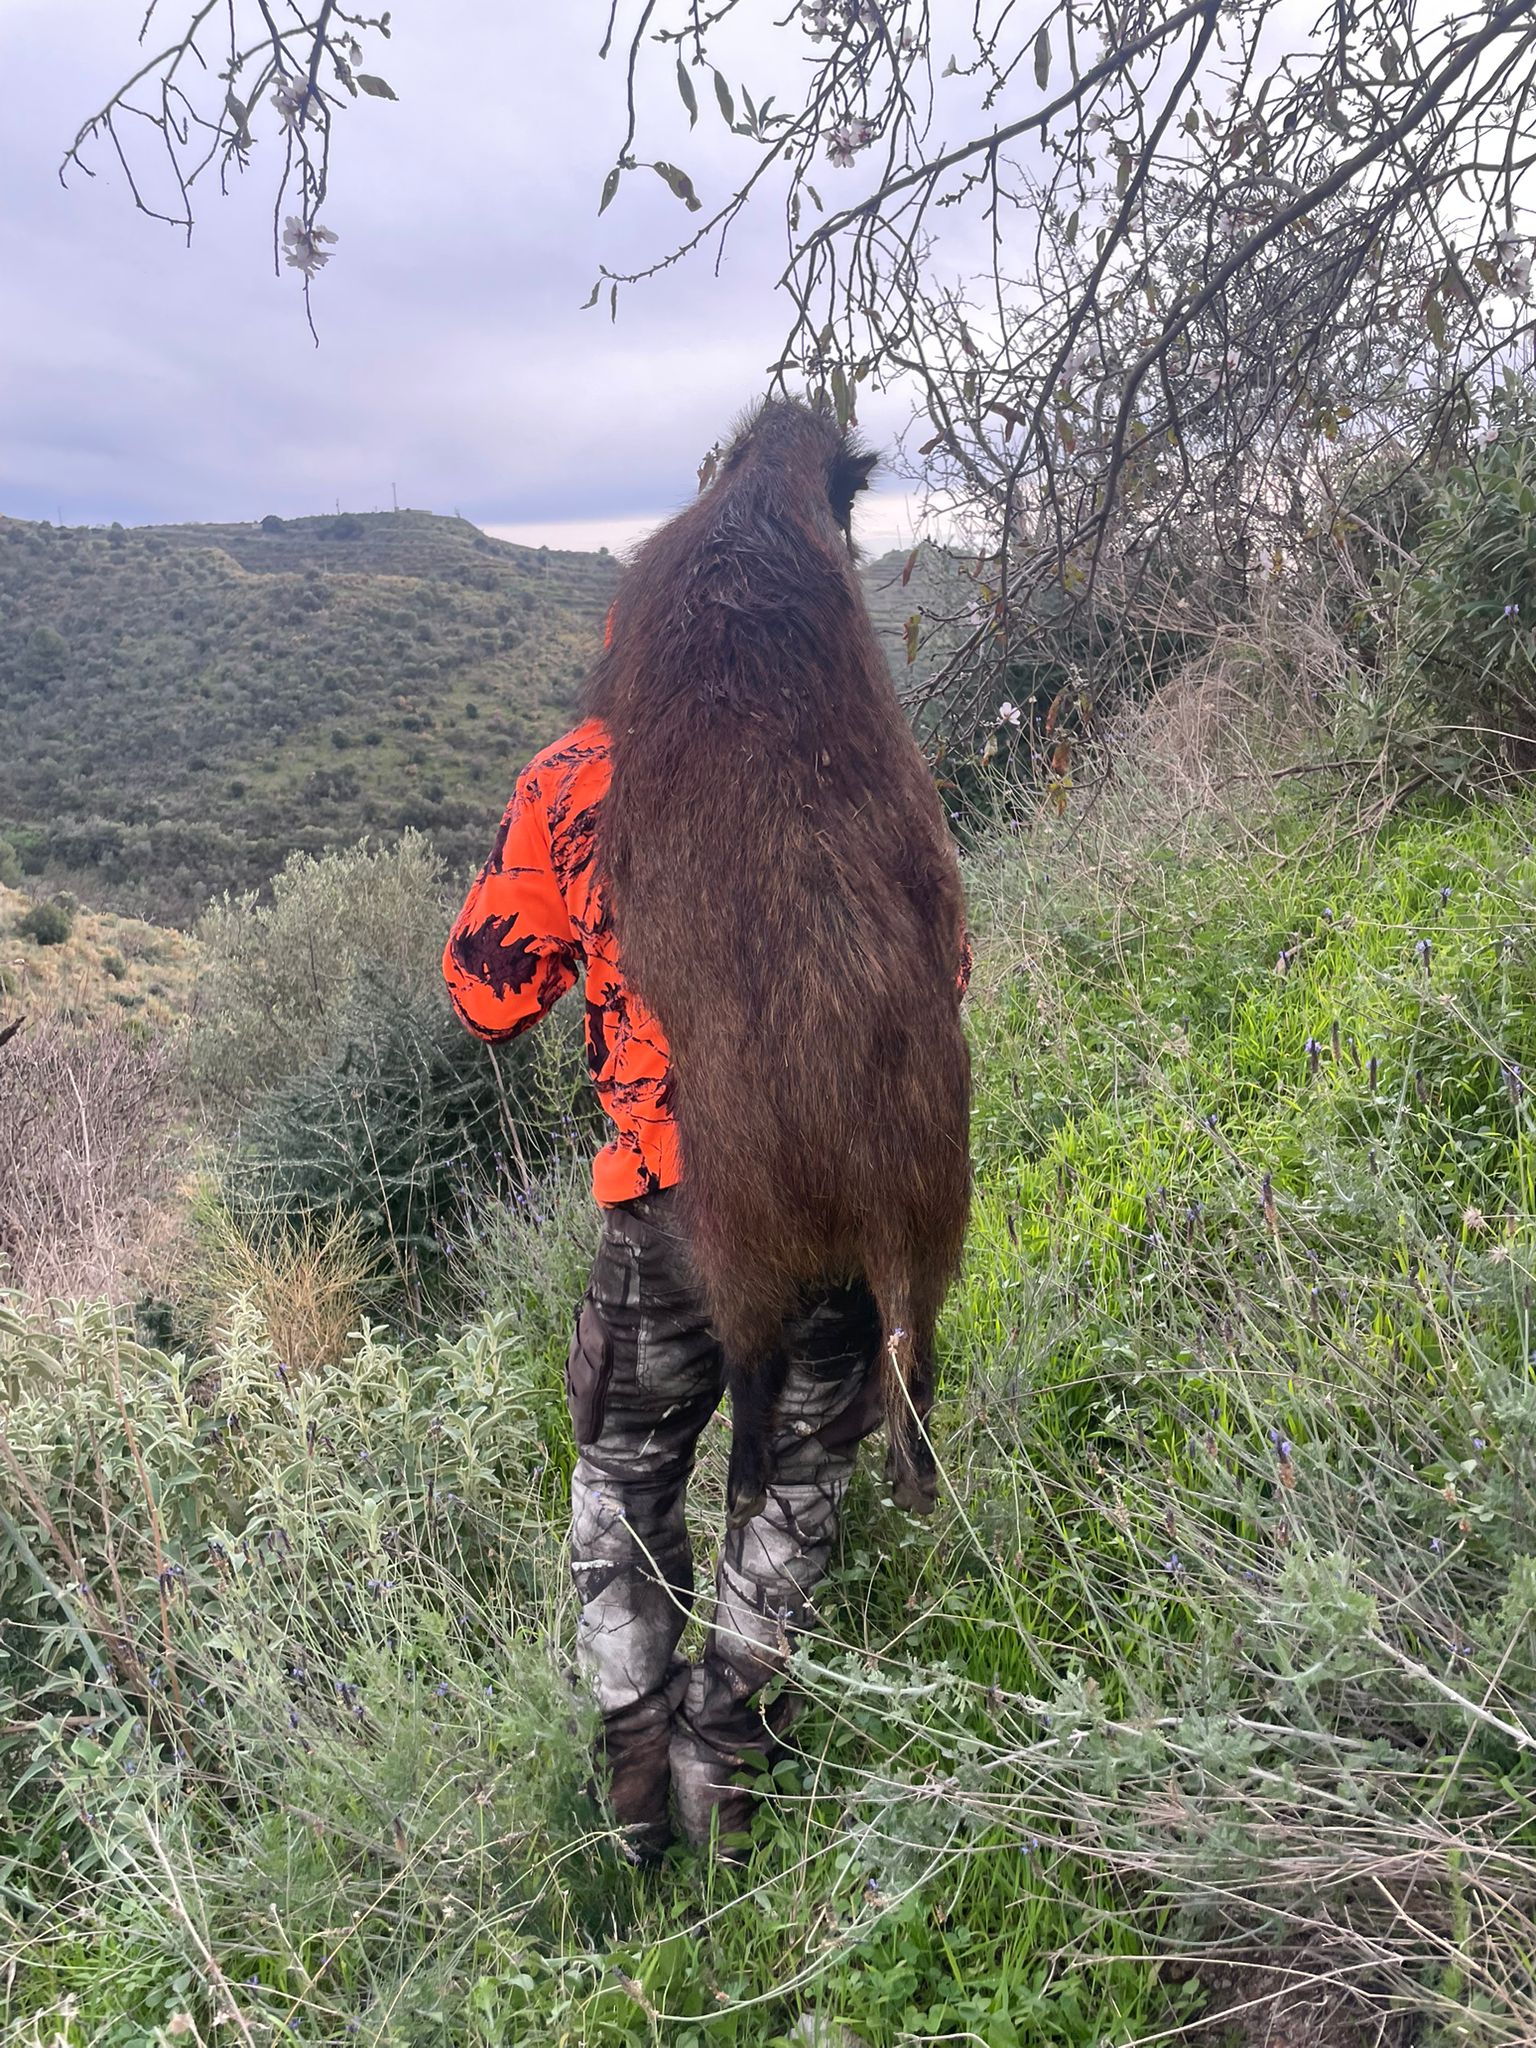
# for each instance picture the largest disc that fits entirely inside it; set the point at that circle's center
(395, 496)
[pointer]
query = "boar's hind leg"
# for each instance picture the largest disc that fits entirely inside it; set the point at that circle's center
(755, 1396)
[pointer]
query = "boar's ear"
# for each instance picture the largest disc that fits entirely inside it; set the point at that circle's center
(849, 474)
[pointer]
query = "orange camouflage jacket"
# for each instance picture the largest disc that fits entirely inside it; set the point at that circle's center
(533, 919)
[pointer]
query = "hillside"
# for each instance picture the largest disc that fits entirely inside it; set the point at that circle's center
(108, 966)
(183, 706)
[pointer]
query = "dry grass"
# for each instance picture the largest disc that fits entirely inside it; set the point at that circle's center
(309, 1285)
(108, 967)
(89, 1121)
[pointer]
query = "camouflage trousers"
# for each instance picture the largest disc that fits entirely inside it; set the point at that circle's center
(645, 1376)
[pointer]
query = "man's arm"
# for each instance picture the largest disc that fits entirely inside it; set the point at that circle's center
(512, 953)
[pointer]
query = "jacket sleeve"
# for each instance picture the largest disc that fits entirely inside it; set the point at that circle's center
(513, 953)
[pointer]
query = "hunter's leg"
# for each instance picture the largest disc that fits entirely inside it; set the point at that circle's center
(770, 1567)
(643, 1379)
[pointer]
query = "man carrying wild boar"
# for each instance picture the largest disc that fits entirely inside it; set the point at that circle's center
(742, 851)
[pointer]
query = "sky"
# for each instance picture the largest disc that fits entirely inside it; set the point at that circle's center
(143, 380)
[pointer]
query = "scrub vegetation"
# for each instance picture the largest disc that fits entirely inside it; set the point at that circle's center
(1203, 1703)
(181, 707)
(1204, 1707)
(1201, 1709)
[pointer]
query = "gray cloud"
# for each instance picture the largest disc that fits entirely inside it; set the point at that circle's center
(142, 380)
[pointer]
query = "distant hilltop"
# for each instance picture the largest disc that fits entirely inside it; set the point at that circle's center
(405, 543)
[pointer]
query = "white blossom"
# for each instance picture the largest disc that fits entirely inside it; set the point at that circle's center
(1009, 713)
(290, 96)
(846, 139)
(302, 245)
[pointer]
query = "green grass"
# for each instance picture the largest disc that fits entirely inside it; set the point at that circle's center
(1219, 1655)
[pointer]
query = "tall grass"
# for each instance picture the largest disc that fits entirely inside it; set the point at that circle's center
(1208, 1690)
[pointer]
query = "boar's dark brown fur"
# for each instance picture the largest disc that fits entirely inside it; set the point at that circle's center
(787, 900)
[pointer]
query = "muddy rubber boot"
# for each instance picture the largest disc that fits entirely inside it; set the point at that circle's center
(633, 1753)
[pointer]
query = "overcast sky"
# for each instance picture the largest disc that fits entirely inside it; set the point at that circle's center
(143, 380)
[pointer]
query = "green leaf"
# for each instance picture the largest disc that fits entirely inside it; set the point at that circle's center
(592, 299)
(1192, 122)
(840, 396)
(1072, 228)
(240, 114)
(723, 95)
(685, 88)
(375, 86)
(912, 634)
(613, 303)
(679, 184)
(1043, 55)
(610, 186)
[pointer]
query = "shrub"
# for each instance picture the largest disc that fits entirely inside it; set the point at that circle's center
(87, 1122)
(45, 658)
(339, 1703)
(280, 974)
(10, 865)
(330, 1053)
(49, 924)
(1468, 631)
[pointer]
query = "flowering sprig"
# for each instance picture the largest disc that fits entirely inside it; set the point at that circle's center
(291, 98)
(303, 245)
(847, 139)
